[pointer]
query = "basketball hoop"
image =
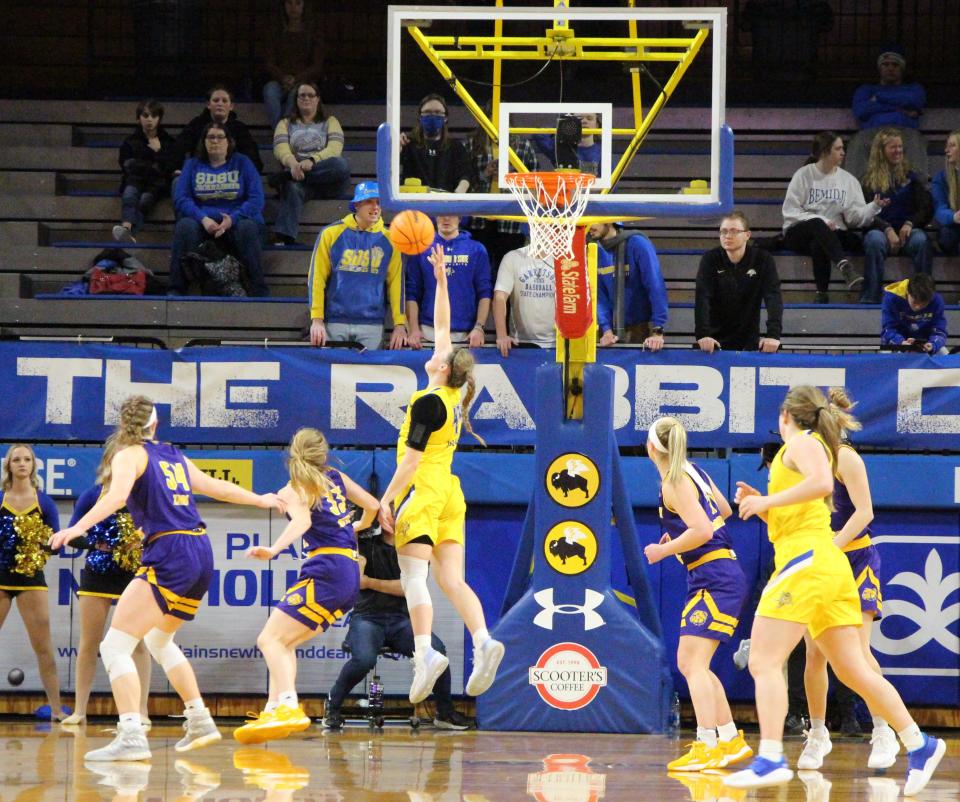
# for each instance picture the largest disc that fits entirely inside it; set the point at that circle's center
(552, 203)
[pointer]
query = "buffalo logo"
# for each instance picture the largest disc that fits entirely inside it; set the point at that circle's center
(570, 547)
(572, 480)
(698, 618)
(784, 599)
(294, 599)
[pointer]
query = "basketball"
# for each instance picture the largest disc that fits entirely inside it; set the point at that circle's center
(15, 677)
(412, 232)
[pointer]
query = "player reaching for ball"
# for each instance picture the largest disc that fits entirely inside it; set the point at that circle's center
(354, 271)
(424, 505)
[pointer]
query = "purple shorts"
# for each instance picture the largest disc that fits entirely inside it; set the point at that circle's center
(716, 592)
(179, 568)
(865, 563)
(325, 591)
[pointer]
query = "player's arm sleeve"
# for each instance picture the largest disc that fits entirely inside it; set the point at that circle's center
(427, 415)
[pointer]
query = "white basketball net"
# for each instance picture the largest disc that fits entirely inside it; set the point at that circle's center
(553, 207)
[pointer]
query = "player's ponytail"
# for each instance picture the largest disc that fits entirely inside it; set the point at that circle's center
(307, 463)
(810, 409)
(461, 373)
(671, 438)
(840, 406)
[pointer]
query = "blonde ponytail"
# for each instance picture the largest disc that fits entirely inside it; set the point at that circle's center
(461, 373)
(135, 417)
(307, 463)
(810, 409)
(670, 431)
(840, 406)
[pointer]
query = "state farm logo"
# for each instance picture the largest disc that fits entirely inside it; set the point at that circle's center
(568, 676)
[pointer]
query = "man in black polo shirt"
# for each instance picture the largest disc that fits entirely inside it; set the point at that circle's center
(380, 618)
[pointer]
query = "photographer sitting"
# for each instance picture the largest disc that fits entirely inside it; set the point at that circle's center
(913, 317)
(380, 618)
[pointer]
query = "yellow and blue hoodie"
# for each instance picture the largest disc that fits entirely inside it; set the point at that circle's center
(353, 273)
(900, 322)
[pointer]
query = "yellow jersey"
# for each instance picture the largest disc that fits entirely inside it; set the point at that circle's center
(806, 518)
(443, 442)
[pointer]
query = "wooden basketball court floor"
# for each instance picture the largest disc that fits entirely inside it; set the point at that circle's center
(45, 762)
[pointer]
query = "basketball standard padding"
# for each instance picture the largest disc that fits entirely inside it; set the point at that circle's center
(412, 232)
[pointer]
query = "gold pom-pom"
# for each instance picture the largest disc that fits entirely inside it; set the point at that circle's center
(129, 548)
(32, 537)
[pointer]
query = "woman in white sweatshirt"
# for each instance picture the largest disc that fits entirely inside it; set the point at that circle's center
(823, 202)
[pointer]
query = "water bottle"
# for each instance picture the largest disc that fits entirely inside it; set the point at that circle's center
(375, 695)
(673, 718)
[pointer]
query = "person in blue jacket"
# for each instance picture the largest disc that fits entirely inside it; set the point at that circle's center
(218, 195)
(946, 197)
(913, 318)
(469, 280)
(355, 270)
(645, 293)
(890, 102)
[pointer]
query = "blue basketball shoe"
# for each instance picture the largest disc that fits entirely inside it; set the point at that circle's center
(923, 762)
(761, 772)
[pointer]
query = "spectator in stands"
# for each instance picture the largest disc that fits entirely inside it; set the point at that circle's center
(497, 236)
(431, 155)
(528, 283)
(899, 227)
(946, 197)
(889, 103)
(219, 110)
(822, 204)
(469, 282)
(588, 151)
(380, 618)
(913, 318)
(645, 293)
(148, 158)
(293, 56)
(732, 282)
(219, 195)
(354, 271)
(309, 145)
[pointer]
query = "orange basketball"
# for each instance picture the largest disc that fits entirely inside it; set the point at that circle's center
(412, 232)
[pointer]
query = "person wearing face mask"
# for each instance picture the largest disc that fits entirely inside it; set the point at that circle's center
(147, 159)
(431, 154)
(219, 109)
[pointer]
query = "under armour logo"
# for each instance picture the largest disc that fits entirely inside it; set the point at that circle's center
(591, 601)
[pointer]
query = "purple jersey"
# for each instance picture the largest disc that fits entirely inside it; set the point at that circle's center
(843, 507)
(331, 520)
(673, 525)
(161, 499)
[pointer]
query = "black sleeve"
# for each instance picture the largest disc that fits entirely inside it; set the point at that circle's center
(427, 415)
(922, 204)
(247, 146)
(772, 299)
(702, 298)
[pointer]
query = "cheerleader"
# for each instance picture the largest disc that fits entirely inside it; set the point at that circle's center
(26, 518)
(812, 590)
(850, 522)
(113, 557)
(157, 483)
(692, 512)
(328, 583)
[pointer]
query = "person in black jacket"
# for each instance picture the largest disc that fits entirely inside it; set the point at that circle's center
(219, 109)
(431, 154)
(148, 158)
(732, 282)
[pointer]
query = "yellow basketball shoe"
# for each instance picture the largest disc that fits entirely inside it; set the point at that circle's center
(272, 725)
(733, 751)
(700, 757)
(702, 787)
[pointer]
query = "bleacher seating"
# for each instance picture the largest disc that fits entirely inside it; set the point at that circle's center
(59, 174)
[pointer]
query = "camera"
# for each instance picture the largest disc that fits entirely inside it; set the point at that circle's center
(569, 133)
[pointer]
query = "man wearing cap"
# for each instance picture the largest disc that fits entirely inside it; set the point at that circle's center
(354, 270)
(891, 102)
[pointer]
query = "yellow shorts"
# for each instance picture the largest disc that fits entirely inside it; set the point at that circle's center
(815, 586)
(437, 512)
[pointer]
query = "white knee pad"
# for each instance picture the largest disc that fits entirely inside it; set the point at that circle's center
(413, 580)
(161, 646)
(116, 649)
